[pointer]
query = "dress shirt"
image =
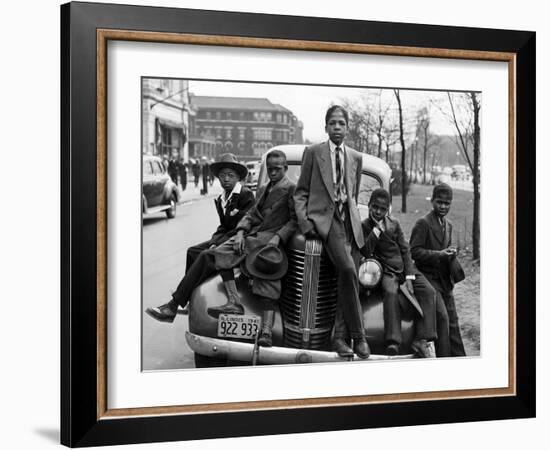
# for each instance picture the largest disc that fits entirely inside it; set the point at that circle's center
(225, 200)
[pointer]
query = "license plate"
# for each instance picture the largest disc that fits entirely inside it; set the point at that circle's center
(242, 327)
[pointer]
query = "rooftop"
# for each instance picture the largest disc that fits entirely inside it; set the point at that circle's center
(249, 103)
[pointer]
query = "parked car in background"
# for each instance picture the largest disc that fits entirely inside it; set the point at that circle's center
(306, 311)
(159, 193)
(251, 181)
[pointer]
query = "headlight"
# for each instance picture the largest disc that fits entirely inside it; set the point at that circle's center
(370, 273)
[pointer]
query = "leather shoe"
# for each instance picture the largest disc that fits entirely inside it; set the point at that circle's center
(228, 308)
(361, 348)
(421, 348)
(340, 346)
(392, 350)
(164, 313)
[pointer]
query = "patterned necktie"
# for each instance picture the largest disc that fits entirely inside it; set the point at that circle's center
(339, 183)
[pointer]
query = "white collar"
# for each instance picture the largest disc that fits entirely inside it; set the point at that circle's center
(333, 146)
(236, 190)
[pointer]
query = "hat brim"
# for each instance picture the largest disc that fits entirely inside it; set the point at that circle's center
(251, 269)
(241, 169)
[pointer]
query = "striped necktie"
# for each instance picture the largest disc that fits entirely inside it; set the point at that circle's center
(339, 184)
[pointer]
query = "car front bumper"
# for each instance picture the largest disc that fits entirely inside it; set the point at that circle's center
(248, 352)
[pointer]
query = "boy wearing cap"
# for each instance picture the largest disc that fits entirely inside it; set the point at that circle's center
(385, 242)
(270, 222)
(231, 205)
(435, 257)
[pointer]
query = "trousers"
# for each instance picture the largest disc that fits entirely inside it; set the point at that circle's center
(344, 254)
(426, 327)
(448, 301)
(194, 252)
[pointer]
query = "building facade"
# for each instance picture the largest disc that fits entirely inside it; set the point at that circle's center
(244, 126)
(165, 117)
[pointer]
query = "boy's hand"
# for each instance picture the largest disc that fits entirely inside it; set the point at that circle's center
(449, 252)
(238, 243)
(274, 241)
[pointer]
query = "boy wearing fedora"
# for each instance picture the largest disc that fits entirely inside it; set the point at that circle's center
(231, 205)
(435, 257)
(384, 240)
(270, 222)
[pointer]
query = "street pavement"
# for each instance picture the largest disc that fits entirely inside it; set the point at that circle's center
(165, 243)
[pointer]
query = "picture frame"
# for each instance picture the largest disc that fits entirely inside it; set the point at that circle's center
(86, 28)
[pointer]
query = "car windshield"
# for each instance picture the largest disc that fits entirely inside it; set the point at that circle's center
(368, 182)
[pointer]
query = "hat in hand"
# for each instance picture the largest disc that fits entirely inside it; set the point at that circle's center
(267, 262)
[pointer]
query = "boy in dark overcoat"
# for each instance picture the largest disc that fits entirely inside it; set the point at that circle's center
(432, 251)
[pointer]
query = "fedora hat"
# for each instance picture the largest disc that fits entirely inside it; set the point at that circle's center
(456, 271)
(229, 160)
(266, 262)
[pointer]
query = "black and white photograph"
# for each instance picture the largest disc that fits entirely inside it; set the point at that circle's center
(305, 223)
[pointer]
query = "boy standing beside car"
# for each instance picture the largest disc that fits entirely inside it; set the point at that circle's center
(326, 209)
(435, 257)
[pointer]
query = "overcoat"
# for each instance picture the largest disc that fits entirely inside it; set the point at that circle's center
(428, 238)
(272, 214)
(390, 248)
(235, 209)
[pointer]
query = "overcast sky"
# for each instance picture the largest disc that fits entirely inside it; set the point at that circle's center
(309, 103)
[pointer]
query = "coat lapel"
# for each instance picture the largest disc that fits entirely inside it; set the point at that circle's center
(350, 169)
(325, 166)
(278, 191)
(436, 228)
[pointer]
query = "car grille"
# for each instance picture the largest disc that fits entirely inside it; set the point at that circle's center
(308, 303)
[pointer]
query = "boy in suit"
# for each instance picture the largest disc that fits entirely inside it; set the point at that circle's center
(435, 257)
(231, 205)
(326, 209)
(271, 221)
(385, 242)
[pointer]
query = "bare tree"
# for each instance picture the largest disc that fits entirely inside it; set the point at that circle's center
(403, 155)
(468, 141)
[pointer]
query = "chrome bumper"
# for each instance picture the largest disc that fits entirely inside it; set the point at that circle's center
(242, 351)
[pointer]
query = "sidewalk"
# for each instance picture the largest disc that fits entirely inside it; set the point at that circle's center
(192, 193)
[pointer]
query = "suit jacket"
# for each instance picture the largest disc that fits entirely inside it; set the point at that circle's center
(390, 248)
(235, 209)
(427, 239)
(271, 214)
(314, 197)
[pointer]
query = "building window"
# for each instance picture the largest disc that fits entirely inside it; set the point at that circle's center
(241, 133)
(263, 134)
(228, 146)
(228, 133)
(241, 147)
(241, 115)
(218, 115)
(219, 146)
(228, 115)
(218, 132)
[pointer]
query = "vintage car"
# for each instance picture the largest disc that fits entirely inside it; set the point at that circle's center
(159, 193)
(304, 323)
(251, 181)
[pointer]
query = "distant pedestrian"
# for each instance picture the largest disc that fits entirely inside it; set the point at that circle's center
(205, 176)
(196, 172)
(182, 169)
(173, 168)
